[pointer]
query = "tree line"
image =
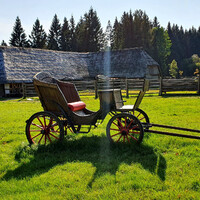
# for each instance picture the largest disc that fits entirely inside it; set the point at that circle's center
(175, 49)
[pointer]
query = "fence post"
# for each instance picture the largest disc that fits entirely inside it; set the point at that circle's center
(160, 91)
(96, 88)
(127, 92)
(24, 90)
(198, 92)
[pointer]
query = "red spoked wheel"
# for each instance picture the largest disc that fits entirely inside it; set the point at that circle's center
(143, 117)
(124, 128)
(44, 128)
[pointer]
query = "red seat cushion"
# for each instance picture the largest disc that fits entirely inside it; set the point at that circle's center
(75, 106)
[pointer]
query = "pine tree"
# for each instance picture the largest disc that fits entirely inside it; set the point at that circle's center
(142, 29)
(18, 36)
(72, 42)
(65, 36)
(117, 42)
(89, 33)
(3, 43)
(94, 31)
(156, 24)
(127, 25)
(38, 37)
(160, 47)
(54, 34)
(80, 33)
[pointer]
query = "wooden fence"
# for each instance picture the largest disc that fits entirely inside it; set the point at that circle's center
(185, 84)
(128, 85)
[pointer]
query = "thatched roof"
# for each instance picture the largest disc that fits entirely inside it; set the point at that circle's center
(21, 64)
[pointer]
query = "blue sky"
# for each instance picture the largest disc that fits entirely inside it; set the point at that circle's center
(181, 12)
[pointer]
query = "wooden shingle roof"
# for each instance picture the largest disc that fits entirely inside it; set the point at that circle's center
(21, 64)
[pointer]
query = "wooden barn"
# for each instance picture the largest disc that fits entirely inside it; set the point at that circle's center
(19, 65)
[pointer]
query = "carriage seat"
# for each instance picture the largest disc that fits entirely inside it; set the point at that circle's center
(68, 90)
(124, 108)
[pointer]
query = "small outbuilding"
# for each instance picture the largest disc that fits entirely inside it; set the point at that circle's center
(19, 65)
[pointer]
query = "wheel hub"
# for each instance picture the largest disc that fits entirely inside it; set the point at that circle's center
(45, 131)
(124, 131)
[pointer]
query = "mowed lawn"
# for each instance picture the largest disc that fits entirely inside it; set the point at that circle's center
(86, 166)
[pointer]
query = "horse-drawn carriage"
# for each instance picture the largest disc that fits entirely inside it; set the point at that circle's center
(64, 111)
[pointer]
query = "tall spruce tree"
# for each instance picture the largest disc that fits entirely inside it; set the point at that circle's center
(160, 47)
(93, 31)
(89, 33)
(127, 30)
(53, 40)
(65, 36)
(72, 41)
(38, 37)
(81, 41)
(117, 41)
(18, 36)
(142, 26)
(156, 24)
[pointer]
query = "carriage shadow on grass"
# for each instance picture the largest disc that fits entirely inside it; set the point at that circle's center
(96, 150)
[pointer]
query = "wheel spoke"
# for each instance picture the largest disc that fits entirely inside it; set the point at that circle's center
(40, 139)
(127, 138)
(40, 121)
(116, 124)
(35, 130)
(53, 131)
(115, 134)
(119, 122)
(132, 137)
(36, 136)
(54, 136)
(49, 138)
(119, 139)
(141, 119)
(114, 129)
(130, 124)
(53, 125)
(45, 124)
(134, 127)
(45, 139)
(50, 123)
(36, 125)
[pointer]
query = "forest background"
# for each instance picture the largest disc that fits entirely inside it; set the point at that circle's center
(176, 49)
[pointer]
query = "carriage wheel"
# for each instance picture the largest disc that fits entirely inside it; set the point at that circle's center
(44, 128)
(124, 128)
(142, 116)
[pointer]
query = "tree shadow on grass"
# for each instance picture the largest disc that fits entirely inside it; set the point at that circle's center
(96, 150)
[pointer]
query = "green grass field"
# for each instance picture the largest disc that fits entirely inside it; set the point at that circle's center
(85, 166)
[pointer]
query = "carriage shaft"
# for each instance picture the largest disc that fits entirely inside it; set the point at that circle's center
(174, 134)
(174, 127)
